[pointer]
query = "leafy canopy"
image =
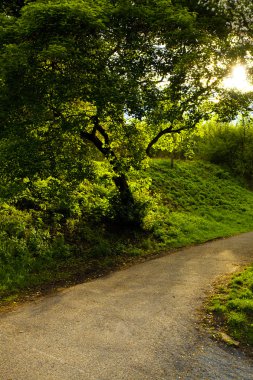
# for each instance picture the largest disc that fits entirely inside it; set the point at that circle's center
(107, 76)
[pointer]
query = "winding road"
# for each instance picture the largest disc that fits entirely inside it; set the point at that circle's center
(136, 324)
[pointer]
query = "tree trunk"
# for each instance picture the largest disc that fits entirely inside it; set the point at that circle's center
(123, 187)
(125, 210)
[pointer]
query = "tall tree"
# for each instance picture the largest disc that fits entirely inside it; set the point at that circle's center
(95, 69)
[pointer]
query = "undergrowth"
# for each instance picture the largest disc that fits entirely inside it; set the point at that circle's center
(191, 203)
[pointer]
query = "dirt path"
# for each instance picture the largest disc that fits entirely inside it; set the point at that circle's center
(135, 324)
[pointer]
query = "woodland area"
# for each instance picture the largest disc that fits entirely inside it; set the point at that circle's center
(92, 94)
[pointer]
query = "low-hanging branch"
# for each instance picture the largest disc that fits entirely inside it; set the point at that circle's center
(103, 148)
(159, 135)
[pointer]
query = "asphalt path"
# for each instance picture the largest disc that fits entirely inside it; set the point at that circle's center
(136, 324)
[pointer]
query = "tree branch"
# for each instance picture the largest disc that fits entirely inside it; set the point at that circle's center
(98, 127)
(103, 147)
(156, 138)
(105, 150)
(160, 134)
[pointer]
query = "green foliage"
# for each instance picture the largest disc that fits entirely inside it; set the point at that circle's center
(230, 145)
(181, 145)
(25, 247)
(68, 230)
(70, 72)
(87, 88)
(234, 304)
(196, 201)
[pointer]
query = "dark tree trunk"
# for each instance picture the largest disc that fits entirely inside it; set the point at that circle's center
(125, 211)
(123, 187)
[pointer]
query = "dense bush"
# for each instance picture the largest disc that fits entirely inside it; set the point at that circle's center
(47, 221)
(26, 246)
(229, 145)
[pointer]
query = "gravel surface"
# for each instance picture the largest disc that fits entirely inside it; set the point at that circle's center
(136, 324)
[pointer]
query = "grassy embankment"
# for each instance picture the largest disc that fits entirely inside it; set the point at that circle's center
(232, 306)
(199, 202)
(191, 203)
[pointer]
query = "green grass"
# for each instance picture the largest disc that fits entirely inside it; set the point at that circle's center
(198, 202)
(191, 203)
(232, 306)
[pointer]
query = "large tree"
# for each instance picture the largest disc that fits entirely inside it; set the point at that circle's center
(96, 70)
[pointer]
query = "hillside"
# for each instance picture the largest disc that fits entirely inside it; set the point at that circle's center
(191, 203)
(199, 201)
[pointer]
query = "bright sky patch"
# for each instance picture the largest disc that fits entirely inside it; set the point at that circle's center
(238, 79)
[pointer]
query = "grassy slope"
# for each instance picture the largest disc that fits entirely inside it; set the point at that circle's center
(192, 203)
(232, 306)
(199, 201)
